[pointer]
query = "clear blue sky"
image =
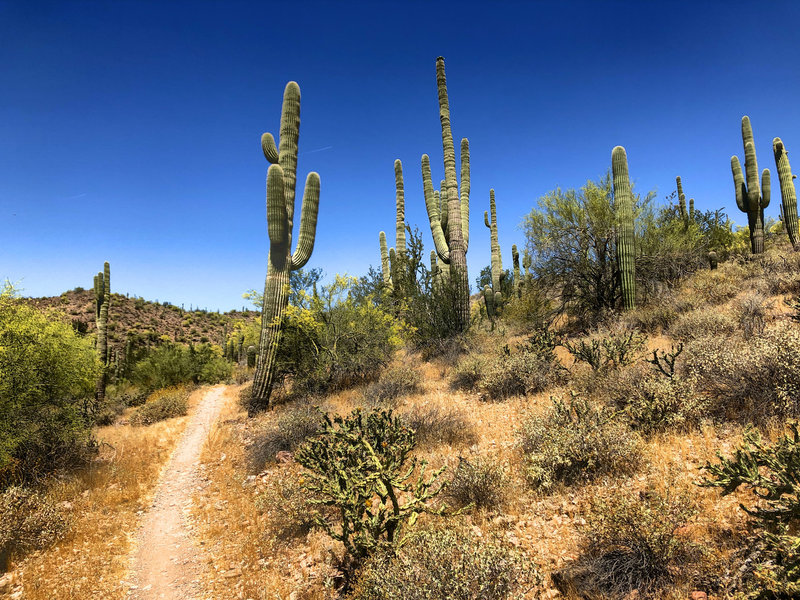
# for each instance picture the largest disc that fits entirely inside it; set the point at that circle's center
(129, 131)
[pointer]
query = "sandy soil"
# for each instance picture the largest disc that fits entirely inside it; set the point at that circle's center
(167, 563)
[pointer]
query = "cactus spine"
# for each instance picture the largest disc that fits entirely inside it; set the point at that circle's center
(623, 207)
(281, 182)
(497, 260)
(102, 303)
(788, 193)
(451, 232)
(749, 198)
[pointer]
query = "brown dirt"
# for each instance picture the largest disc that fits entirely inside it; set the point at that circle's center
(167, 562)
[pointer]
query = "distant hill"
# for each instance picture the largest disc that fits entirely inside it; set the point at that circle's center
(145, 321)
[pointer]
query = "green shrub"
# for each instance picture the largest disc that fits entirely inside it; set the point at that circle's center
(633, 544)
(750, 379)
(161, 405)
(47, 378)
(447, 565)
(29, 521)
(480, 483)
(772, 474)
(753, 309)
(174, 364)
(393, 384)
(283, 430)
(362, 466)
(433, 425)
(576, 442)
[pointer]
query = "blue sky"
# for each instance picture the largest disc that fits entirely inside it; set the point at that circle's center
(129, 131)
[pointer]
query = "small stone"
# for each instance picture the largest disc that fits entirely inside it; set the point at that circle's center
(698, 596)
(283, 457)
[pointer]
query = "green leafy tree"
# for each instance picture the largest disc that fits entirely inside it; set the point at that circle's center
(47, 376)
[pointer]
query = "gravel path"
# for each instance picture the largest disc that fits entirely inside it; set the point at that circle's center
(167, 563)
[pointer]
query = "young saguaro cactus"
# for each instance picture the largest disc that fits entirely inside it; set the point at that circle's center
(450, 233)
(497, 260)
(385, 266)
(749, 198)
(281, 182)
(517, 272)
(788, 192)
(623, 207)
(102, 303)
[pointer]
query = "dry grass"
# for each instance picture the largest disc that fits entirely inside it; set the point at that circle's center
(105, 502)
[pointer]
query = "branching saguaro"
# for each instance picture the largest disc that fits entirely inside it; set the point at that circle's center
(623, 207)
(749, 198)
(102, 304)
(281, 181)
(388, 268)
(450, 231)
(788, 193)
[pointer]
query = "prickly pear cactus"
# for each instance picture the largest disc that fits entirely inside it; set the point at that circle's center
(749, 198)
(281, 183)
(623, 207)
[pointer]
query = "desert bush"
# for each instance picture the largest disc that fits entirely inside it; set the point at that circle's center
(480, 483)
(283, 430)
(750, 379)
(361, 465)
(47, 377)
(753, 309)
(468, 372)
(284, 503)
(174, 364)
(29, 520)
(446, 565)
(433, 425)
(393, 384)
(633, 544)
(714, 287)
(654, 317)
(162, 404)
(605, 351)
(771, 473)
(520, 373)
(703, 322)
(576, 442)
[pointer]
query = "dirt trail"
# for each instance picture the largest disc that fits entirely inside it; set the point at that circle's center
(166, 563)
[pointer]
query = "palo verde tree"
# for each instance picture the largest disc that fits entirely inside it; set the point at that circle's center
(451, 239)
(281, 180)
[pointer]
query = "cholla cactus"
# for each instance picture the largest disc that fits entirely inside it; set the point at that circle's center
(497, 260)
(788, 193)
(749, 198)
(623, 207)
(281, 182)
(102, 302)
(450, 228)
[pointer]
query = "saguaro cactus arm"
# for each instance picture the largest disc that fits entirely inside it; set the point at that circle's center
(465, 189)
(432, 206)
(385, 268)
(308, 222)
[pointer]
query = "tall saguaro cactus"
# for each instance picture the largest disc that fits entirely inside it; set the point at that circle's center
(749, 198)
(390, 272)
(517, 272)
(450, 233)
(102, 303)
(623, 207)
(281, 181)
(497, 260)
(788, 193)
(687, 216)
